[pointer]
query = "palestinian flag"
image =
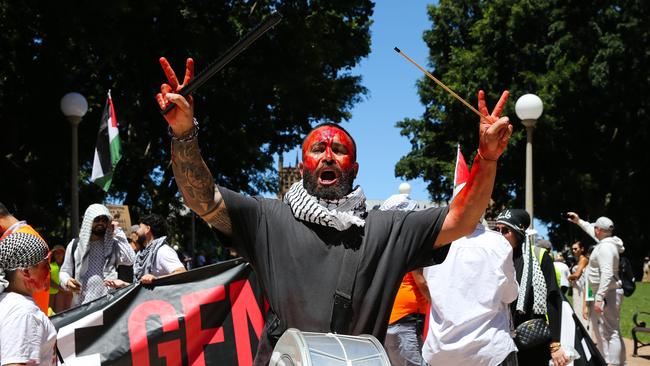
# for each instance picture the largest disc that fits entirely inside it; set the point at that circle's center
(108, 150)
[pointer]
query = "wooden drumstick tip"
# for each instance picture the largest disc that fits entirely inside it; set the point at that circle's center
(397, 50)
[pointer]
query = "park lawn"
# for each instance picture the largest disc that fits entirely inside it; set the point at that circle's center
(639, 301)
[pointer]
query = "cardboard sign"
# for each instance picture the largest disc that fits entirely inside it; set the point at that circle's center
(121, 214)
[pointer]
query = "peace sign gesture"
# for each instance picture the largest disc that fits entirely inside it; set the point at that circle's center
(179, 118)
(494, 132)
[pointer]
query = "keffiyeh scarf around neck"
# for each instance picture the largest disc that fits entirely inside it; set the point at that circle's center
(538, 281)
(145, 259)
(339, 214)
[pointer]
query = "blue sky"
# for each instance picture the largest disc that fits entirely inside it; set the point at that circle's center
(392, 96)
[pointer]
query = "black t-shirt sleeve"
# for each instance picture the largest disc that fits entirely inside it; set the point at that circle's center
(244, 213)
(553, 299)
(419, 231)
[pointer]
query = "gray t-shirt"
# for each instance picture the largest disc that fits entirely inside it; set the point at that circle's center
(298, 263)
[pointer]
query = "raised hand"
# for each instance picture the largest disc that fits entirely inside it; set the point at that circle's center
(494, 130)
(179, 118)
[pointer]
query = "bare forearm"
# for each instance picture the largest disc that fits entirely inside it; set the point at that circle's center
(470, 204)
(197, 185)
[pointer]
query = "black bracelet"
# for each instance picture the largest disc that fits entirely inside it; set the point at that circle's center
(190, 137)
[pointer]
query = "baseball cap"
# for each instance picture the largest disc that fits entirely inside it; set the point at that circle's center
(516, 219)
(604, 223)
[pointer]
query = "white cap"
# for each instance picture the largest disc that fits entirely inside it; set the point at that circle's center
(604, 223)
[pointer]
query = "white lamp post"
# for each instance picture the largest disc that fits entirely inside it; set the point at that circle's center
(529, 108)
(74, 106)
(404, 188)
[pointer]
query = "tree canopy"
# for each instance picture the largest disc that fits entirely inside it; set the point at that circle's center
(590, 64)
(297, 74)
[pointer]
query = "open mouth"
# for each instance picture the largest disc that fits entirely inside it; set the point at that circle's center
(327, 177)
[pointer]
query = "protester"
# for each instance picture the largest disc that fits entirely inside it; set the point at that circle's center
(470, 321)
(300, 248)
(539, 295)
(9, 225)
(602, 277)
(94, 256)
(577, 280)
(403, 341)
(561, 273)
(27, 337)
(156, 258)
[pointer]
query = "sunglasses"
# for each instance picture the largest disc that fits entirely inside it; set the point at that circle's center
(503, 230)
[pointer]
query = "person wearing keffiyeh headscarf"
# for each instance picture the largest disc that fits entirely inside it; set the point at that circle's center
(10, 224)
(26, 334)
(539, 294)
(93, 257)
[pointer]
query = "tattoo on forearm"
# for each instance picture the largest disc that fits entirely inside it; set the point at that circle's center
(197, 185)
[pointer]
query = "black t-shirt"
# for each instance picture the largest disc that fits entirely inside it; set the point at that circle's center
(298, 263)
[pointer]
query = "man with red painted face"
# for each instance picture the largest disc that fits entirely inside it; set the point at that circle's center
(300, 247)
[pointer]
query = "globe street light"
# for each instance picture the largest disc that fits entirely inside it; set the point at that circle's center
(74, 106)
(528, 108)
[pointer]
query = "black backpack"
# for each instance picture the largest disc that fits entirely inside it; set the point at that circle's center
(626, 275)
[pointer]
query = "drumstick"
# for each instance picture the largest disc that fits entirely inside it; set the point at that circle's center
(230, 54)
(447, 89)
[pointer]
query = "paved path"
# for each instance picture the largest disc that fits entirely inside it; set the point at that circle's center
(644, 354)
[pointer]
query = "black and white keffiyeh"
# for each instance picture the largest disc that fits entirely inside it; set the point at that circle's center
(146, 258)
(20, 250)
(538, 281)
(339, 214)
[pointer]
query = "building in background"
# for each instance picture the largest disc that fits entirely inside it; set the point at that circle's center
(287, 175)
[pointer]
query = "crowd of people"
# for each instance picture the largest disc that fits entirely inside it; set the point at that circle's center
(322, 233)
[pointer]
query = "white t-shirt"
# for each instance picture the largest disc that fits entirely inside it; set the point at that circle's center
(166, 261)
(564, 273)
(26, 334)
(470, 291)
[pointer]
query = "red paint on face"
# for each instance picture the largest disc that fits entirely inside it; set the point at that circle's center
(328, 143)
(39, 276)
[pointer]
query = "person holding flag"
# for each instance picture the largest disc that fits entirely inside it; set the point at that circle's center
(108, 149)
(326, 263)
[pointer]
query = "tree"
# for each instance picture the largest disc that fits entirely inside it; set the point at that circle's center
(297, 74)
(589, 63)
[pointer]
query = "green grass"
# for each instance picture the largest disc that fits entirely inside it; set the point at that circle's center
(639, 301)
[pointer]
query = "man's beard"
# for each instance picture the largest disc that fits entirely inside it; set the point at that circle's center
(333, 192)
(99, 231)
(141, 240)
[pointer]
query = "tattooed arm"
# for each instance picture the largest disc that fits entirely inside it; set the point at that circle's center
(197, 185)
(192, 175)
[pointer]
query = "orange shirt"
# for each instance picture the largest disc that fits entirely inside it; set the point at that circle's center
(41, 298)
(409, 300)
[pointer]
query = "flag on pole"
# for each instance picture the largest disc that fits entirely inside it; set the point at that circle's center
(108, 150)
(461, 173)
